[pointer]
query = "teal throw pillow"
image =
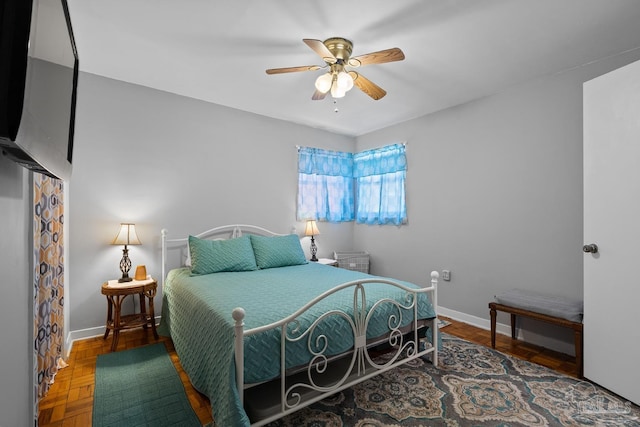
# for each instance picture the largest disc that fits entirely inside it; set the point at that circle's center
(213, 256)
(277, 251)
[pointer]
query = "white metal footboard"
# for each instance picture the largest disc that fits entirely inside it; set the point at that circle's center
(305, 389)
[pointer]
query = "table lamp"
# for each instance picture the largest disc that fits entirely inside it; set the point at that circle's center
(311, 229)
(126, 236)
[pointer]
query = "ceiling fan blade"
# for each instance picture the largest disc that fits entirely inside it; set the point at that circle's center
(319, 48)
(380, 57)
(367, 86)
(293, 69)
(318, 96)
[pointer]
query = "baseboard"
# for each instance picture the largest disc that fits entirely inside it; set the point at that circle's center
(474, 320)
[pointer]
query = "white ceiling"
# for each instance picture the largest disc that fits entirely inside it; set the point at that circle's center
(456, 50)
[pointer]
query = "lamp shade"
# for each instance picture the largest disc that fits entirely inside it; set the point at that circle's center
(344, 81)
(323, 83)
(337, 91)
(127, 235)
(311, 229)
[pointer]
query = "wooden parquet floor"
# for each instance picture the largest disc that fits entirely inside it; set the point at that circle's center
(69, 402)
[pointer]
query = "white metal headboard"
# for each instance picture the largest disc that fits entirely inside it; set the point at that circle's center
(217, 233)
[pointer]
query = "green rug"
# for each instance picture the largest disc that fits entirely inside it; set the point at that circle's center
(140, 387)
(473, 386)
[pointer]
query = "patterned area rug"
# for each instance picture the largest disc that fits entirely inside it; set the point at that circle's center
(473, 386)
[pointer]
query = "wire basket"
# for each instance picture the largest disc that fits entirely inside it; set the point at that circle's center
(354, 260)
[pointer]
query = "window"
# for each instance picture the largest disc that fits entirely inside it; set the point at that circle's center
(380, 176)
(325, 185)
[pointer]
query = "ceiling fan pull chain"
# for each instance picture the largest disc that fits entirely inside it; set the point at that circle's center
(335, 106)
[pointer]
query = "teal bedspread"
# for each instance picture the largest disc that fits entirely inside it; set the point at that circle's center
(196, 313)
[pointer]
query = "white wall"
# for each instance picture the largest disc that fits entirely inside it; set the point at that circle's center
(16, 303)
(494, 194)
(165, 161)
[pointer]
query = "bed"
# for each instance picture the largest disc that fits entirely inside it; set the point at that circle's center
(263, 332)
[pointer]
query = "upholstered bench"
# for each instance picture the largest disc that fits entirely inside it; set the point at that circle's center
(547, 308)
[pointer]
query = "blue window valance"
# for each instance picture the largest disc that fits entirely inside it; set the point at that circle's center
(316, 161)
(380, 161)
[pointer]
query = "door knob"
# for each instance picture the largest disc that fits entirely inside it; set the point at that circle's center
(592, 248)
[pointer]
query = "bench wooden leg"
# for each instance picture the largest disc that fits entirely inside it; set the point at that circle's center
(493, 326)
(513, 326)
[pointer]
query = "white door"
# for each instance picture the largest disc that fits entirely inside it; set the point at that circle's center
(612, 221)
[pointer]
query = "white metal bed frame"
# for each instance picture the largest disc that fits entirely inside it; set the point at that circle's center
(307, 388)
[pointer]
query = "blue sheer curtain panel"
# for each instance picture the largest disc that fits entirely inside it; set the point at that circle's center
(380, 175)
(325, 185)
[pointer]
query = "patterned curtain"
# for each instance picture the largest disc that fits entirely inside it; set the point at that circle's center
(380, 175)
(48, 279)
(325, 185)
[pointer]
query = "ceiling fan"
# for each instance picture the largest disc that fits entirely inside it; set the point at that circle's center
(336, 53)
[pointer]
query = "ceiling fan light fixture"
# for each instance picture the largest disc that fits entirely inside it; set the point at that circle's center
(323, 83)
(336, 53)
(337, 91)
(344, 81)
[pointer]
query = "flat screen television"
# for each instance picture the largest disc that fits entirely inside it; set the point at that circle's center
(38, 85)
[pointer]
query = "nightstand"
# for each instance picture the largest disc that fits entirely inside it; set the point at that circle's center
(116, 293)
(328, 261)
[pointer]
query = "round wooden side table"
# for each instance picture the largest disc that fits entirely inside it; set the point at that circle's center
(116, 293)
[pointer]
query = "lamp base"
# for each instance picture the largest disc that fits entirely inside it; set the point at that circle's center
(314, 250)
(125, 266)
